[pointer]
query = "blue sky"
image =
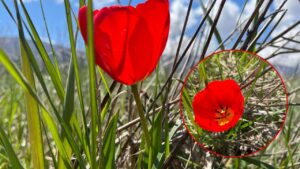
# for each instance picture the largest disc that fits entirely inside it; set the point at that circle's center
(55, 16)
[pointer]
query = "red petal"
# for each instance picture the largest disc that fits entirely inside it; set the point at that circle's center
(129, 41)
(140, 51)
(218, 95)
(112, 27)
(82, 19)
(203, 110)
(156, 14)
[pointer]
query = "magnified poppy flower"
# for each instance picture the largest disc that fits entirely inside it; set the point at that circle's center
(219, 106)
(129, 40)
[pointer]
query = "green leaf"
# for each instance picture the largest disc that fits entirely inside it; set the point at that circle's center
(108, 150)
(52, 126)
(14, 161)
(75, 62)
(92, 78)
(68, 111)
(32, 107)
(45, 57)
(156, 139)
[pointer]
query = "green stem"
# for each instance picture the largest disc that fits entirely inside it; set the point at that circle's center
(141, 114)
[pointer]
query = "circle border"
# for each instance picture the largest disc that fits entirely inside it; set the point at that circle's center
(268, 143)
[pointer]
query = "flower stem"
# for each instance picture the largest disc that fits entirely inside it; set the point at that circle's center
(137, 98)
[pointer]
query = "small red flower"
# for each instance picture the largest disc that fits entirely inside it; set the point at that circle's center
(219, 106)
(129, 41)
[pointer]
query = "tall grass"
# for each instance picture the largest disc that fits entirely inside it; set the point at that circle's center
(77, 117)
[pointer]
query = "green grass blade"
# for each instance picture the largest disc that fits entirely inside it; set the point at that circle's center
(68, 111)
(156, 139)
(187, 102)
(15, 73)
(32, 107)
(69, 102)
(66, 128)
(51, 149)
(45, 57)
(75, 62)
(202, 73)
(92, 78)
(108, 150)
(14, 161)
(52, 126)
(259, 71)
(216, 32)
(31, 58)
(50, 42)
(104, 80)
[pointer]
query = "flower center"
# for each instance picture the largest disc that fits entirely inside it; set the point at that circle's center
(224, 116)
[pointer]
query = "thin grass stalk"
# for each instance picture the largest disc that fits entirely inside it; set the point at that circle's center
(247, 24)
(50, 42)
(92, 77)
(257, 22)
(274, 27)
(212, 30)
(182, 32)
(279, 35)
(216, 32)
(265, 26)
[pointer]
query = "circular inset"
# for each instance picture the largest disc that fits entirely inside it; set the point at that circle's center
(233, 103)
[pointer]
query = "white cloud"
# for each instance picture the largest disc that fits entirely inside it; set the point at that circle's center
(178, 9)
(292, 15)
(228, 18)
(293, 7)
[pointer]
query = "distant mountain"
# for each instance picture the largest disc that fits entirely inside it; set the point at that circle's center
(11, 46)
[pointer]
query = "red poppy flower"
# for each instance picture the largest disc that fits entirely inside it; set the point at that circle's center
(129, 40)
(219, 106)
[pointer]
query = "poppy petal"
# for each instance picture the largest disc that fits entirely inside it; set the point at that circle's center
(156, 13)
(219, 106)
(129, 41)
